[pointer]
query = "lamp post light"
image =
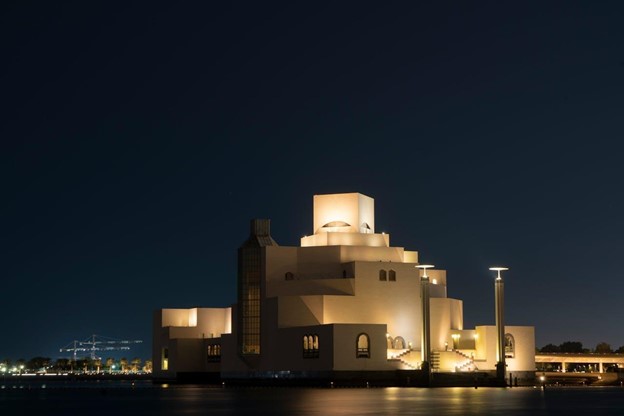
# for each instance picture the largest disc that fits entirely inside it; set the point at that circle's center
(500, 324)
(425, 349)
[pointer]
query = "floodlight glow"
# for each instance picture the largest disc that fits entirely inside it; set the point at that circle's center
(424, 268)
(498, 270)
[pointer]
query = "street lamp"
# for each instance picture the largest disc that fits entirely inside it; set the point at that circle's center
(500, 324)
(425, 349)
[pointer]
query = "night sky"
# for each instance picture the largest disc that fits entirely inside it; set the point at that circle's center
(139, 139)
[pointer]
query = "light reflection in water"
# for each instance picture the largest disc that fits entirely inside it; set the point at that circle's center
(201, 400)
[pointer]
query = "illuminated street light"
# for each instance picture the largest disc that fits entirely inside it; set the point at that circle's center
(425, 349)
(500, 324)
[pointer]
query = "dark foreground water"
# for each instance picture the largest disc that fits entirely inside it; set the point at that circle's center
(141, 398)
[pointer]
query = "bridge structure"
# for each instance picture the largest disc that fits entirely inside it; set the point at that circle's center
(579, 368)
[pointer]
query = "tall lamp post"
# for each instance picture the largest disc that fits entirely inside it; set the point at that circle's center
(500, 323)
(425, 346)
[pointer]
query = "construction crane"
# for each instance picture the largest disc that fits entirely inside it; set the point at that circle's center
(96, 343)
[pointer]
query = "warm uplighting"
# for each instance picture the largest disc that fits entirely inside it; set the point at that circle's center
(455, 340)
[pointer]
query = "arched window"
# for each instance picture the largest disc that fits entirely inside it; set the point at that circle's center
(289, 276)
(399, 343)
(362, 346)
(510, 346)
(214, 353)
(344, 274)
(382, 275)
(392, 276)
(310, 346)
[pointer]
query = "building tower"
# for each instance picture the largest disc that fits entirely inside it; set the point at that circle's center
(250, 277)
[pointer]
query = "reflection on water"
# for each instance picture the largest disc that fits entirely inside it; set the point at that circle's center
(145, 399)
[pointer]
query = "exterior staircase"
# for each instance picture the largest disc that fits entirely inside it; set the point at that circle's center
(467, 363)
(435, 361)
(399, 357)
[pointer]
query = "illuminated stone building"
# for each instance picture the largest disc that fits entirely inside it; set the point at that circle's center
(344, 304)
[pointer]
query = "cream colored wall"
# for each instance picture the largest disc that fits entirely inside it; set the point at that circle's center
(185, 333)
(395, 304)
(359, 253)
(410, 256)
(345, 358)
(313, 262)
(361, 299)
(287, 351)
(457, 314)
(328, 262)
(281, 260)
(352, 208)
(366, 213)
(445, 316)
(177, 317)
(346, 239)
(436, 276)
(485, 344)
(311, 287)
(524, 337)
(214, 322)
(208, 322)
(300, 311)
(524, 359)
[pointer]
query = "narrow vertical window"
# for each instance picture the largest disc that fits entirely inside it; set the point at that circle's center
(165, 359)
(392, 276)
(362, 346)
(214, 353)
(310, 346)
(382, 275)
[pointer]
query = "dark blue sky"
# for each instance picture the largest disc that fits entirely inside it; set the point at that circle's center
(139, 139)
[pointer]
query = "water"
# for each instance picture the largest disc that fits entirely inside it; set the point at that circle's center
(142, 398)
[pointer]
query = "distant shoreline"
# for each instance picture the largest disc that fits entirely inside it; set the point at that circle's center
(71, 377)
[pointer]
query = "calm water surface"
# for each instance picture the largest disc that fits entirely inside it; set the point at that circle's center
(141, 398)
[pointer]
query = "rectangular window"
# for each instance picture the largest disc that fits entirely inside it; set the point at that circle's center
(165, 359)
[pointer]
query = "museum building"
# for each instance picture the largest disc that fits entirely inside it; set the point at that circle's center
(345, 304)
